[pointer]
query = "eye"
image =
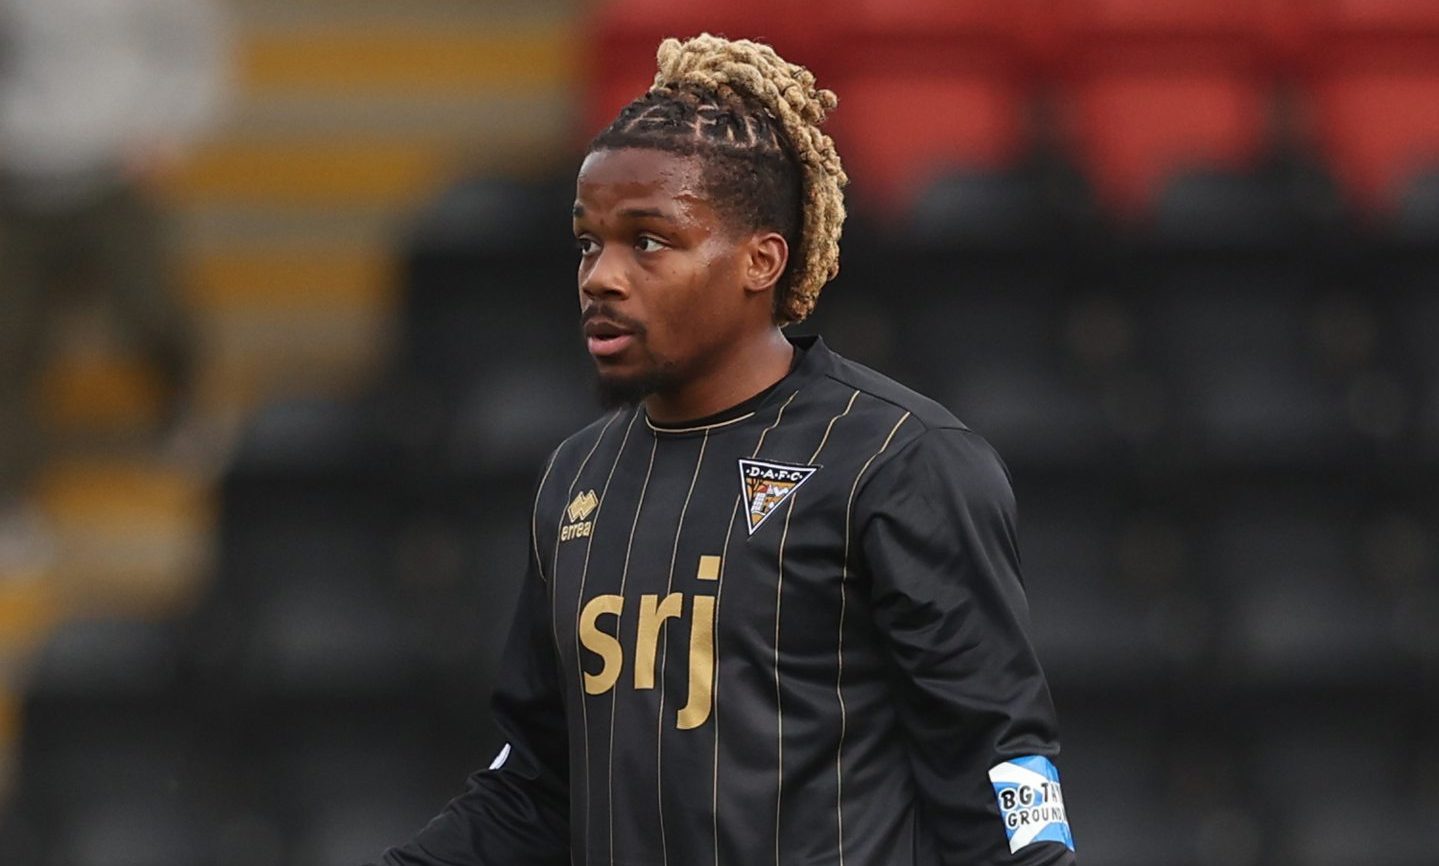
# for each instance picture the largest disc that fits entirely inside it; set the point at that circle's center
(585, 246)
(655, 245)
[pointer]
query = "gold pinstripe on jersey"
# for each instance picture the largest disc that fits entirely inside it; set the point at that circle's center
(664, 651)
(719, 591)
(614, 697)
(535, 517)
(579, 600)
(839, 652)
(778, 595)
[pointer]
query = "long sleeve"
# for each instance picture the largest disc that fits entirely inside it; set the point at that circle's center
(939, 543)
(515, 813)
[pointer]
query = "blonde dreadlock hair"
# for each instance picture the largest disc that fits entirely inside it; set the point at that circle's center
(755, 119)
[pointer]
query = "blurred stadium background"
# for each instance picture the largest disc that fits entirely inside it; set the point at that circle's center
(1178, 260)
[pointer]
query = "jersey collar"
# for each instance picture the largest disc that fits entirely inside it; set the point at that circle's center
(811, 355)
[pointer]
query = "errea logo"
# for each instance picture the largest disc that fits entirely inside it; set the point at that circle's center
(581, 507)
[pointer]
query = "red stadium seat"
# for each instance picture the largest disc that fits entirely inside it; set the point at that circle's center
(895, 132)
(1378, 128)
(1147, 89)
(1379, 17)
(926, 85)
(908, 22)
(1372, 71)
(1146, 19)
(622, 37)
(1132, 130)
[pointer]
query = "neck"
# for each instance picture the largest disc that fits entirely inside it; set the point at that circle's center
(746, 370)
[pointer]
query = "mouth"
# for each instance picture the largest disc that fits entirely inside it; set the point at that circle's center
(605, 338)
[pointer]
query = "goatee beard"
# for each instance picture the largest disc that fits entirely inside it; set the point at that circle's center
(616, 392)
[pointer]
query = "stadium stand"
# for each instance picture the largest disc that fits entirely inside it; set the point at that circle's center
(1199, 327)
(621, 39)
(902, 62)
(1149, 89)
(1365, 67)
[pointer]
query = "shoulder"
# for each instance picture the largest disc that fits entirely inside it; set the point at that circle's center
(570, 456)
(886, 398)
(590, 436)
(929, 452)
(926, 451)
(943, 483)
(562, 469)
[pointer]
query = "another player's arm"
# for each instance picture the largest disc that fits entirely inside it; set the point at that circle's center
(937, 524)
(517, 812)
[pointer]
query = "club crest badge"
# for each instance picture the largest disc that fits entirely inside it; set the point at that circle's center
(766, 486)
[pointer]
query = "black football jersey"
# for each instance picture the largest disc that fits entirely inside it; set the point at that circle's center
(790, 634)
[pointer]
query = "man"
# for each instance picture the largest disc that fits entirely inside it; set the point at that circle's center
(773, 611)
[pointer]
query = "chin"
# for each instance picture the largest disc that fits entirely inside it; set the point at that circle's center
(617, 389)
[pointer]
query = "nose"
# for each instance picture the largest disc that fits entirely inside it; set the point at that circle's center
(603, 276)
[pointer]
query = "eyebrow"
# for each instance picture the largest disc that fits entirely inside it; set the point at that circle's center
(632, 212)
(644, 212)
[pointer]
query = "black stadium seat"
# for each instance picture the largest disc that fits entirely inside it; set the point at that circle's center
(490, 281)
(980, 269)
(490, 318)
(1227, 274)
(113, 762)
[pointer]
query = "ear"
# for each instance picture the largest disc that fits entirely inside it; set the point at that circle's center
(766, 254)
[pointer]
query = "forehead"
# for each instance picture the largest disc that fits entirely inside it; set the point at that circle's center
(609, 179)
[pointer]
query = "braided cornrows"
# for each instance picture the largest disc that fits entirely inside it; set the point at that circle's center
(756, 117)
